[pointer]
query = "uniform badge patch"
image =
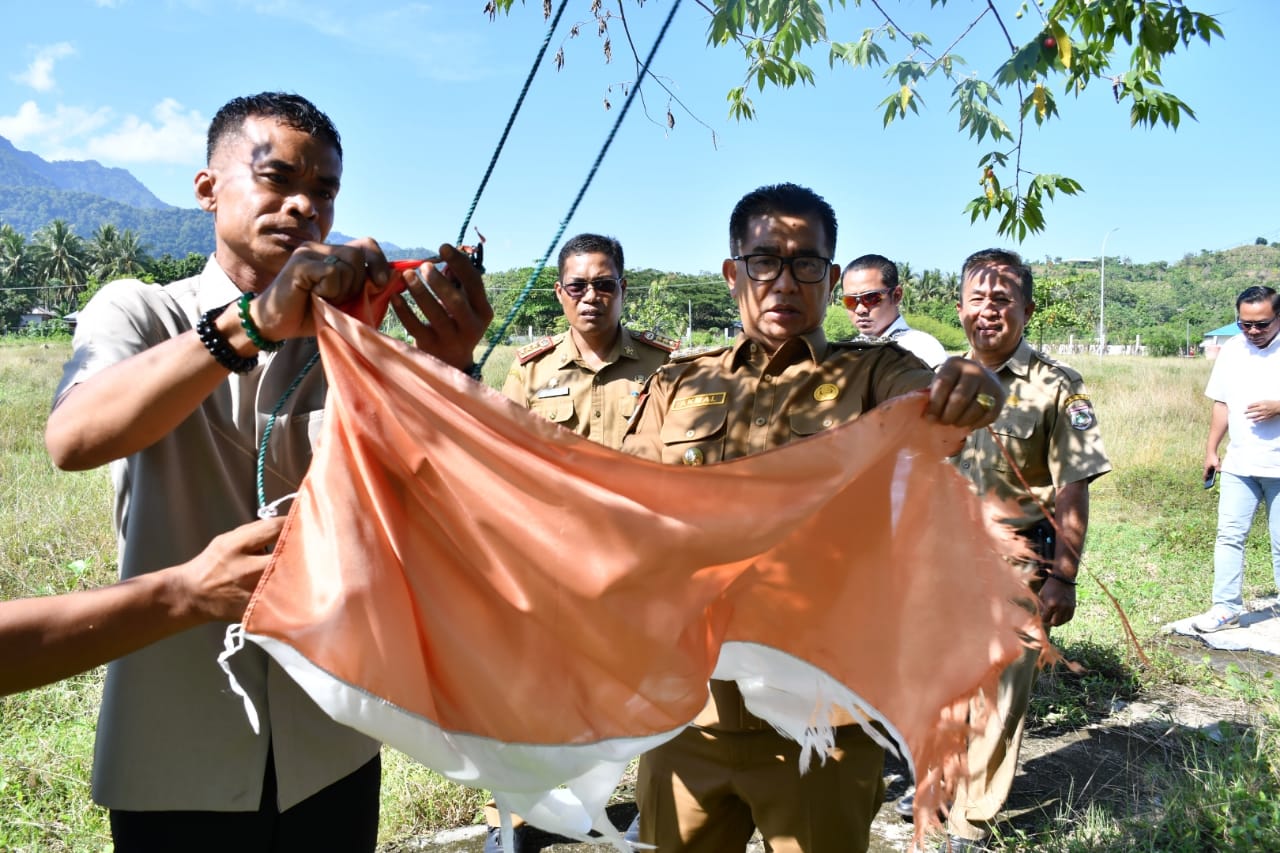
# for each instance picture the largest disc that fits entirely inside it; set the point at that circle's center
(825, 391)
(1080, 411)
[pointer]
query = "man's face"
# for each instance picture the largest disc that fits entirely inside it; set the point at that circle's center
(270, 188)
(868, 285)
(774, 311)
(1251, 313)
(993, 312)
(595, 312)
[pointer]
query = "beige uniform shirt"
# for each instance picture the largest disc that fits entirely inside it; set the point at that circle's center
(1050, 431)
(171, 734)
(739, 400)
(551, 378)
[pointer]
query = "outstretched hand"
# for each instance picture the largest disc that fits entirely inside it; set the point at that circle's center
(219, 582)
(455, 311)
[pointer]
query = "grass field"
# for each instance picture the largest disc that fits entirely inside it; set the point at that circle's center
(1150, 542)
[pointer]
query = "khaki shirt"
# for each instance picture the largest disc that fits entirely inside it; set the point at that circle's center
(1049, 428)
(171, 734)
(739, 400)
(551, 378)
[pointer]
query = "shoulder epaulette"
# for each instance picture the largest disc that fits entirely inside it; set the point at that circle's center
(656, 340)
(1065, 369)
(864, 344)
(535, 349)
(690, 353)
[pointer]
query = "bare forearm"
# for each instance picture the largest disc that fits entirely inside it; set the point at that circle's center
(1217, 428)
(46, 639)
(133, 404)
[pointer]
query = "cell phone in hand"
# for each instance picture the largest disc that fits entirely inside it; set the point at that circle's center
(1208, 481)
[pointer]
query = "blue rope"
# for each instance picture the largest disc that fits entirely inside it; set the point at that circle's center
(501, 334)
(493, 161)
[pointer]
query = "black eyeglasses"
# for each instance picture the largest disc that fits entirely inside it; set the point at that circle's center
(805, 269)
(602, 286)
(869, 298)
(1254, 325)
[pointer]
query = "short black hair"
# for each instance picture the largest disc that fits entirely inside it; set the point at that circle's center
(591, 244)
(887, 268)
(1259, 293)
(1003, 258)
(789, 199)
(291, 110)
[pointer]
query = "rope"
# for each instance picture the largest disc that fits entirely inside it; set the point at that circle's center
(564, 223)
(271, 423)
(493, 161)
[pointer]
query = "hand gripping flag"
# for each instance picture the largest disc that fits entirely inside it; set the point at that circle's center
(524, 610)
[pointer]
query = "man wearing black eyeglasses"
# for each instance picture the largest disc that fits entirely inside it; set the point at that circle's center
(730, 772)
(1245, 389)
(872, 295)
(588, 379)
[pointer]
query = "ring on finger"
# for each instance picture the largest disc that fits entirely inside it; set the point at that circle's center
(986, 401)
(332, 261)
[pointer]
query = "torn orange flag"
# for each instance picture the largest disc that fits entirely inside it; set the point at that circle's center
(524, 610)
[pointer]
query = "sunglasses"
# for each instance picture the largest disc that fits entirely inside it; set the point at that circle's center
(578, 289)
(1254, 325)
(869, 298)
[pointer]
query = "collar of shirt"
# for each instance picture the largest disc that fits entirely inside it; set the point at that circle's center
(215, 288)
(571, 355)
(811, 345)
(1019, 364)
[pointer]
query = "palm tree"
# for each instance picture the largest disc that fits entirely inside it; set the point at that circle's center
(62, 262)
(116, 254)
(15, 258)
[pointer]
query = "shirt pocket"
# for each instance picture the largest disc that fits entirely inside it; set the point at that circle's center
(1016, 432)
(812, 422)
(695, 436)
(558, 410)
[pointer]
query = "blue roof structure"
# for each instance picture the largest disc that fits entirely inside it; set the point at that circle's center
(1224, 332)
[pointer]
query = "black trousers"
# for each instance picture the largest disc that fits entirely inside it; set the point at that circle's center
(342, 817)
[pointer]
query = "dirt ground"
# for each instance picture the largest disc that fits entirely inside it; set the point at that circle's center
(1064, 770)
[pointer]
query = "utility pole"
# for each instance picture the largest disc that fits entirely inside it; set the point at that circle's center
(1102, 295)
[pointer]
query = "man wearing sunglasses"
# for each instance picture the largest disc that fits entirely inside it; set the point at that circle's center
(708, 789)
(588, 379)
(1245, 389)
(871, 295)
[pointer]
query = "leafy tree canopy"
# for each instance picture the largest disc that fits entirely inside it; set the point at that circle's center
(1054, 50)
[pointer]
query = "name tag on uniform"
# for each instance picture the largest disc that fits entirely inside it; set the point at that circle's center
(698, 401)
(562, 391)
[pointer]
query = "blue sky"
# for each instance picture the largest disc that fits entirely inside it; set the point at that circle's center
(421, 92)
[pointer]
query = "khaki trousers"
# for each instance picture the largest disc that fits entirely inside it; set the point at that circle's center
(707, 791)
(993, 755)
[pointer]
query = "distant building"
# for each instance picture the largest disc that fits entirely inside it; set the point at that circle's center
(35, 317)
(1214, 340)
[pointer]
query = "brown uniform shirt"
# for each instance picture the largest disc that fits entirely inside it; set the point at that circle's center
(1049, 429)
(739, 400)
(551, 378)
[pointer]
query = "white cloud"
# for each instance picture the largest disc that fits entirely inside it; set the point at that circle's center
(176, 136)
(39, 74)
(54, 134)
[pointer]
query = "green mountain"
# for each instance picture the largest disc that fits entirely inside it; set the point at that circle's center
(24, 169)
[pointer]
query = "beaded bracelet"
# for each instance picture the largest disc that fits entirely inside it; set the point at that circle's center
(251, 328)
(218, 345)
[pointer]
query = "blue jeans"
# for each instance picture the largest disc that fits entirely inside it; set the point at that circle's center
(1238, 500)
